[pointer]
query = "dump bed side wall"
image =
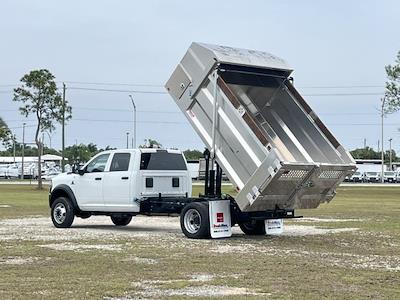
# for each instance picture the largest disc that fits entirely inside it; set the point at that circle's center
(269, 142)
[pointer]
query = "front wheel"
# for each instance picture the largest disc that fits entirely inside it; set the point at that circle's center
(195, 220)
(121, 220)
(62, 213)
(253, 227)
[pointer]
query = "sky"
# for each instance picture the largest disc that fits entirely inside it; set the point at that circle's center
(338, 50)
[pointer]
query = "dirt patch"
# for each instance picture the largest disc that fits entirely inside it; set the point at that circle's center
(153, 289)
(301, 230)
(42, 229)
(202, 277)
(82, 247)
(154, 228)
(4, 206)
(16, 260)
(140, 260)
(328, 220)
(344, 260)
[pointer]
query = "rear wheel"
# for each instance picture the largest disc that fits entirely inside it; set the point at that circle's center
(195, 221)
(62, 213)
(253, 227)
(121, 220)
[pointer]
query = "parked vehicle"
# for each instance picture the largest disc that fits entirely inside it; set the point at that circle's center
(50, 174)
(12, 171)
(372, 177)
(3, 170)
(258, 129)
(116, 183)
(389, 176)
(357, 177)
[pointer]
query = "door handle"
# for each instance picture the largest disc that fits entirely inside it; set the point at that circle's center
(97, 178)
(125, 178)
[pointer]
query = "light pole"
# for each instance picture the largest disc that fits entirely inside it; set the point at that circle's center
(127, 140)
(390, 154)
(63, 130)
(383, 100)
(134, 121)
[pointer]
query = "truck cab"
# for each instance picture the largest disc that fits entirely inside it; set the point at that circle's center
(115, 183)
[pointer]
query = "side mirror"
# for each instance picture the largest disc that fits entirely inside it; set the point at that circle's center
(81, 171)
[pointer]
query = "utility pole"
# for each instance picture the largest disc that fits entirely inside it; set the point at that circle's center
(63, 130)
(14, 147)
(134, 121)
(390, 154)
(365, 143)
(382, 154)
(23, 150)
(127, 140)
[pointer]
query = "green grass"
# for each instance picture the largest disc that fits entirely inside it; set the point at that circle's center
(304, 267)
(25, 200)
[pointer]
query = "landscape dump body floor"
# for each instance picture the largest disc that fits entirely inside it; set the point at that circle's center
(267, 139)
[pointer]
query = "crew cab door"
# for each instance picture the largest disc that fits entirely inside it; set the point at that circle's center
(118, 183)
(89, 186)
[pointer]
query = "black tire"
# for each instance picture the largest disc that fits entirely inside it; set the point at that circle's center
(253, 227)
(121, 220)
(62, 213)
(195, 220)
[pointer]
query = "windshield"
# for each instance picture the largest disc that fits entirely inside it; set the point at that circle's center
(389, 173)
(357, 174)
(372, 173)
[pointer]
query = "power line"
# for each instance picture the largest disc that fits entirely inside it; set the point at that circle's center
(343, 94)
(114, 84)
(115, 90)
(21, 126)
(125, 110)
(340, 86)
(128, 121)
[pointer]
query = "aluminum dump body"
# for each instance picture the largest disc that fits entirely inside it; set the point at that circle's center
(266, 138)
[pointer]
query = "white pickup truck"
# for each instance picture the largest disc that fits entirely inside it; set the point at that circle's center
(116, 182)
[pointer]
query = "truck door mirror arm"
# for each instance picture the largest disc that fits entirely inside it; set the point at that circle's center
(81, 171)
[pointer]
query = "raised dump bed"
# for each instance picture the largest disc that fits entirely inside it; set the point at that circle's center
(266, 138)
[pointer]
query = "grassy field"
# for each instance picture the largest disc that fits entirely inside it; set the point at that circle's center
(347, 249)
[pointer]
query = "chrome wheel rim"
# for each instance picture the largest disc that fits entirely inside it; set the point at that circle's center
(59, 213)
(192, 221)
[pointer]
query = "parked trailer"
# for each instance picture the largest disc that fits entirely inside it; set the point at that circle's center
(257, 129)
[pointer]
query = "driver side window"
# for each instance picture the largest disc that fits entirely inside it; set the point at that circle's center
(98, 164)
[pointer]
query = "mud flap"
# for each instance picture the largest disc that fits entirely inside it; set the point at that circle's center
(220, 218)
(273, 226)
